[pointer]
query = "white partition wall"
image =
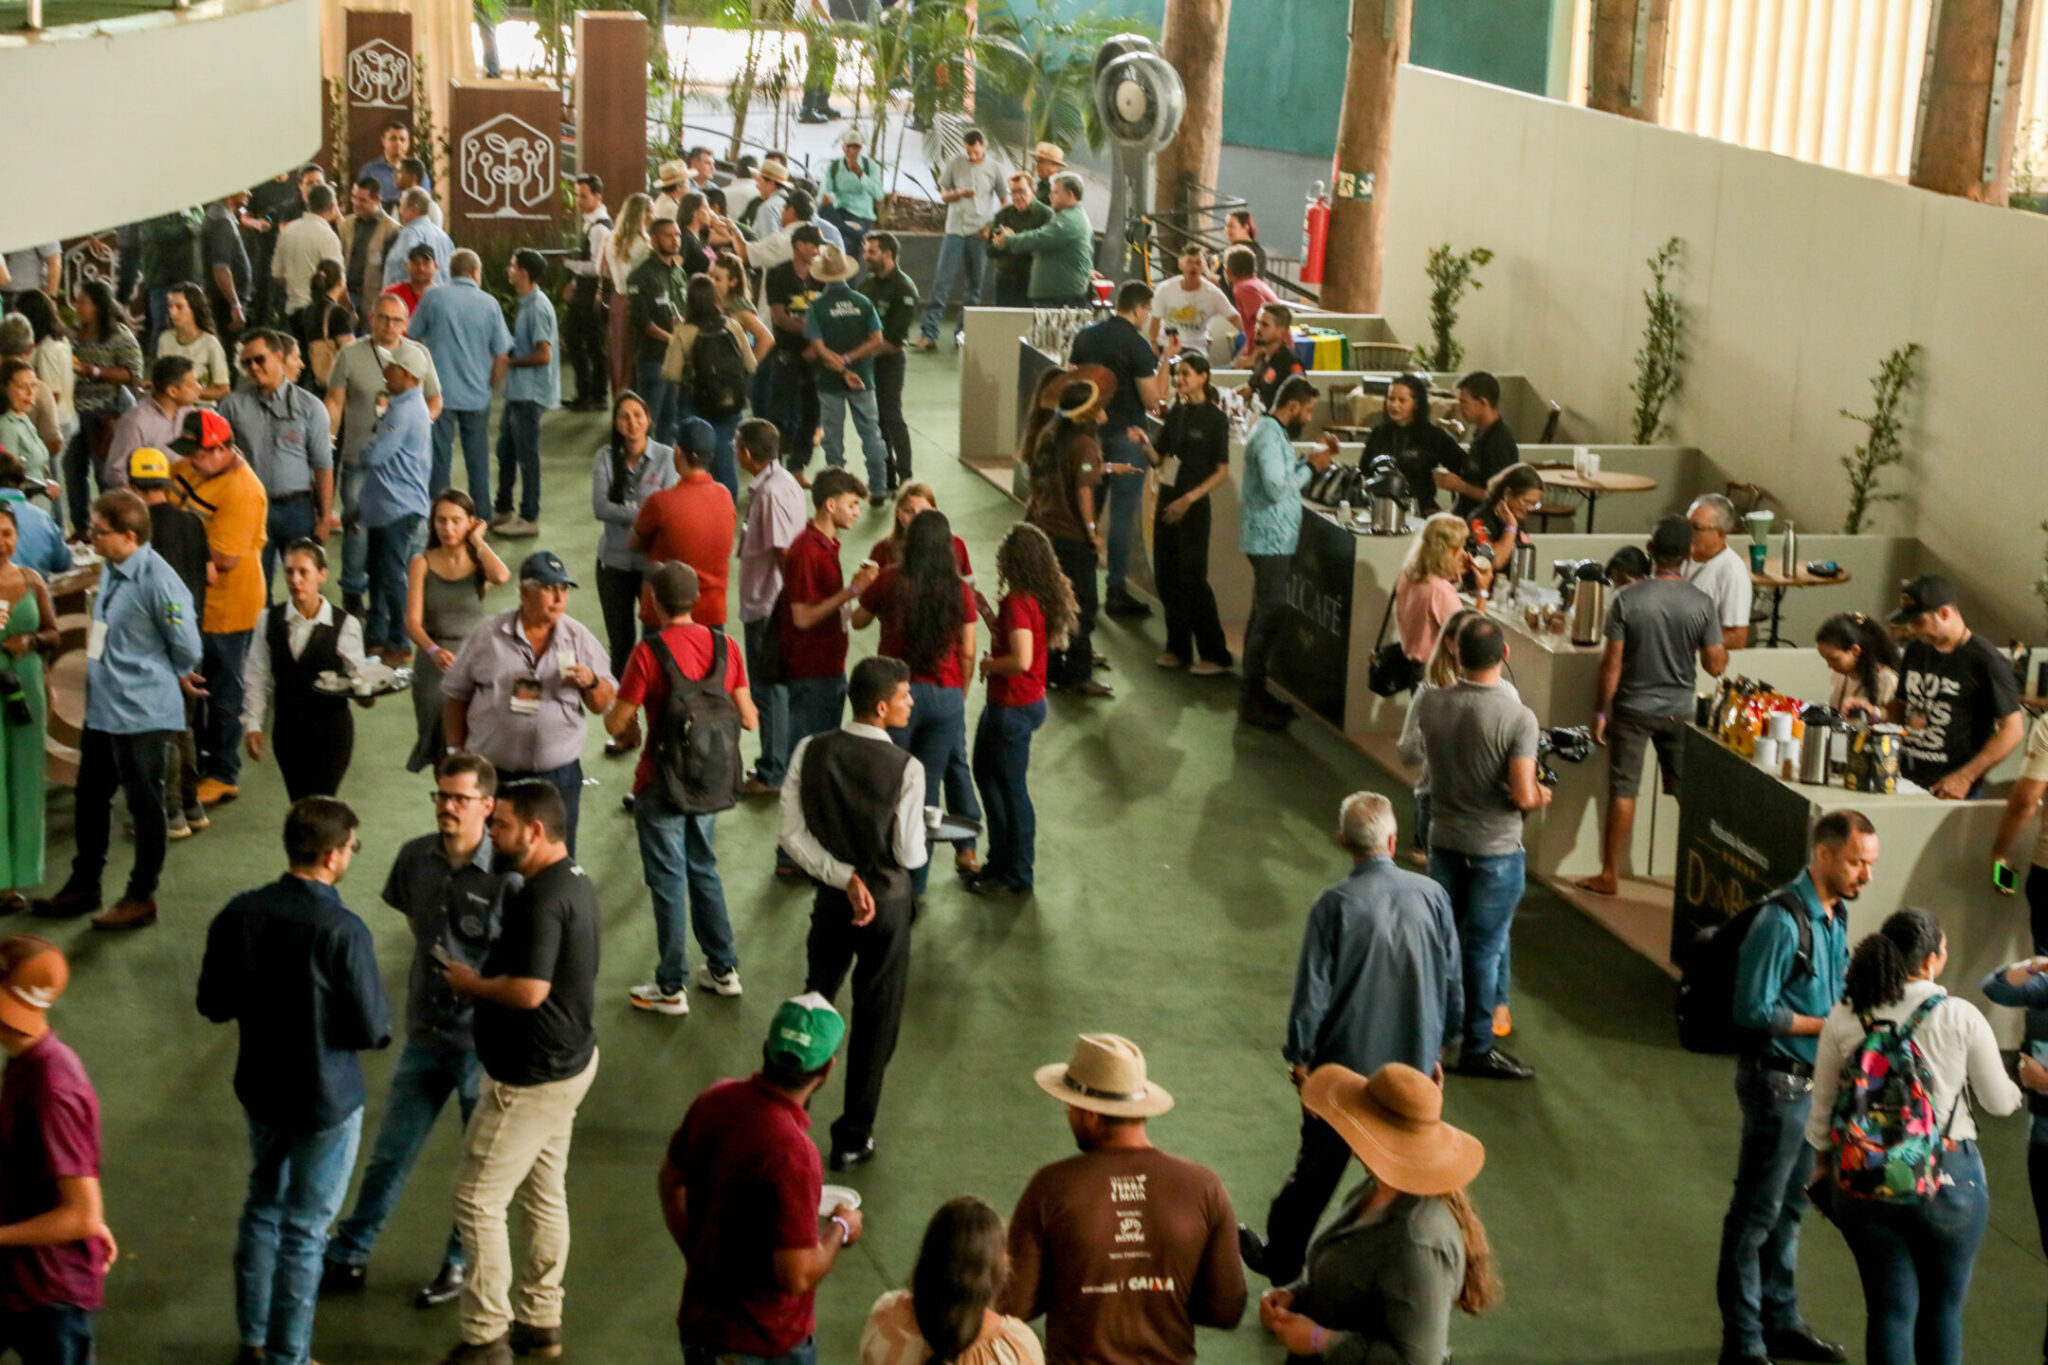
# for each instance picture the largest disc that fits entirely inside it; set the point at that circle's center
(97, 160)
(1800, 279)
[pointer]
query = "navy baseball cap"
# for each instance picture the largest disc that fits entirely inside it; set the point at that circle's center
(545, 569)
(696, 436)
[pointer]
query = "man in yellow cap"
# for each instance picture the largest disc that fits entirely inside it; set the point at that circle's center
(54, 1247)
(180, 537)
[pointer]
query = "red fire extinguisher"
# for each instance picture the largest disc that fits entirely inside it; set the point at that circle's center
(1315, 235)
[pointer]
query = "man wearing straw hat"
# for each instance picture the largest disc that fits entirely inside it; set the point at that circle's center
(1048, 160)
(1125, 1249)
(671, 183)
(844, 333)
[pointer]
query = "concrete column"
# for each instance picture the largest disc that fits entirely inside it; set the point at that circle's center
(610, 100)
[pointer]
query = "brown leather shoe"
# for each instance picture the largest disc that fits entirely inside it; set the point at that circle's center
(543, 1342)
(965, 862)
(494, 1352)
(66, 904)
(127, 914)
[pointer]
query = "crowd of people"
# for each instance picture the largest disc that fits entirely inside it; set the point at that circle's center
(369, 344)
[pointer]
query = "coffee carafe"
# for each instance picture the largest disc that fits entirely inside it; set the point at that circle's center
(1389, 494)
(1589, 603)
(1816, 763)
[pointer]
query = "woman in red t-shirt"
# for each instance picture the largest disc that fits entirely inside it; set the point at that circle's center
(928, 621)
(1037, 615)
(911, 499)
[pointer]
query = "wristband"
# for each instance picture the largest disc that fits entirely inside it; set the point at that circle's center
(1315, 1342)
(845, 1232)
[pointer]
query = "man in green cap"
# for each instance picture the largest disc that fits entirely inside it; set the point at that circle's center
(740, 1191)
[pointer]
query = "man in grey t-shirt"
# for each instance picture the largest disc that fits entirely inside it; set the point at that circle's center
(1479, 744)
(1655, 630)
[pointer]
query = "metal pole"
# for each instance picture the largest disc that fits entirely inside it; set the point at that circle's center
(35, 16)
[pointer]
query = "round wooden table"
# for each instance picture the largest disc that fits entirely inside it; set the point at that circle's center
(1603, 482)
(1777, 584)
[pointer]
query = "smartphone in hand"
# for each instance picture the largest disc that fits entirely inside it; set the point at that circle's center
(440, 954)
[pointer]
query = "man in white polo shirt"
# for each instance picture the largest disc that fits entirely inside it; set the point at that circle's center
(1716, 570)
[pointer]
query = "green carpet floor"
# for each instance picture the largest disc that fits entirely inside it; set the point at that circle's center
(1177, 858)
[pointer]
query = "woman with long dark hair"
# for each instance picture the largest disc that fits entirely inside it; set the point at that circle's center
(1419, 446)
(444, 594)
(928, 621)
(191, 335)
(1036, 613)
(1864, 660)
(1066, 470)
(947, 1316)
(628, 469)
(325, 325)
(1499, 521)
(106, 361)
(1193, 458)
(1914, 1252)
(704, 313)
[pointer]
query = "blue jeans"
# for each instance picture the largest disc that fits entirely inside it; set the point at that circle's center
(1484, 891)
(1915, 1262)
(772, 701)
(815, 705)
(936, 735)
(697, 1353)
(220, 722)
(355, 537)
(955, 253)
(1760, 1235)
(390, 553)
(676, 857)
(1002, 758)
(833, 402)
(519, 457)
(154, 325)
(1126, 493)
(291, 518)
(295, 1189)
(55, 1334)
(663, 401)
(475, 426)
(420, 1086)
(725, 460)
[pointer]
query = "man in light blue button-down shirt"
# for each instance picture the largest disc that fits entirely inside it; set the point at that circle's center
(1269, 524)
(464, 329)
(416, 228)
(144, 638)
(284, 434)
(533, 385)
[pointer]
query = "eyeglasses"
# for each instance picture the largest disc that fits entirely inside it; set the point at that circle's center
(95, 531)
(452, 798)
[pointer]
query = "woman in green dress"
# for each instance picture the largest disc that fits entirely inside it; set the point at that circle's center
(28, 631)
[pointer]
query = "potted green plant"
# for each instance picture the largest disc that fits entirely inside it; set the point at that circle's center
(1882, 446)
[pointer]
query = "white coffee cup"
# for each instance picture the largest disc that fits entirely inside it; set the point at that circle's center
(933, 815)
(1767, 753)
(1592, 464)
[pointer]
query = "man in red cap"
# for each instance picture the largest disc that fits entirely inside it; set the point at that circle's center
(54, 1245)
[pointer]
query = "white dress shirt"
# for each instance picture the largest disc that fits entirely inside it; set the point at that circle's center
(599, 225)
(256, 675)
(811, 856)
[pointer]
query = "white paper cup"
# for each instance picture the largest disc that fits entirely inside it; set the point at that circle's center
(1767, 753)
(1781, 727)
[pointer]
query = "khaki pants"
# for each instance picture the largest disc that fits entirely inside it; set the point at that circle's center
(516, 1146)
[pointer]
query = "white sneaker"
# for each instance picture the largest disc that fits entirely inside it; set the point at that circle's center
(651, 997)
(1206, 668)
(726, 983)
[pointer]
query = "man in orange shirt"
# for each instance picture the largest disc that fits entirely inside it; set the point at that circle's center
(214, 481)
(691, 523)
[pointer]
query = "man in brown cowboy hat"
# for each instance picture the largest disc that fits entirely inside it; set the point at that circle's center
(1125, 1249)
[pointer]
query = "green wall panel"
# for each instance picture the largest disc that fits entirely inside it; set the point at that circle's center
(1502, 42)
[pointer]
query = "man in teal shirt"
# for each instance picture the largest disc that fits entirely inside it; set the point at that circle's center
(1269, 524)
(1062, 252)
(1782, 995)
(845, 332)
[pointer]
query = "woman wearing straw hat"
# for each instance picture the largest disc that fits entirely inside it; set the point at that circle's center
(1407, 1246)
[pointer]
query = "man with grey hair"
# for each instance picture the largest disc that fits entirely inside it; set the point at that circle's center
(464, 330)
(1716, 570)
(1379, 981)
(416, 227)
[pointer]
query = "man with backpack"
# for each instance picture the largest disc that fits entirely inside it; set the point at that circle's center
(1788, 974)
(694, 686)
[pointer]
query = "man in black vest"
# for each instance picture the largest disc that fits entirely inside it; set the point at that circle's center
(853, 818)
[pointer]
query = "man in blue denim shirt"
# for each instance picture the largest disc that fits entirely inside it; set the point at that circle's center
(452, 897)
(395, 500)
(1379, 981)
(464, 329)
(533, 385)
(1269, 525)
(296, 971)
(1781, 1002)
(144, 638)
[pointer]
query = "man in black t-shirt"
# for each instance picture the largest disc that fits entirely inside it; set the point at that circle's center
(1493, 444)
(791, 392)
(535, 1037)
(1118, 344)
(894, 295)
(1270, 354)
(1956, 697)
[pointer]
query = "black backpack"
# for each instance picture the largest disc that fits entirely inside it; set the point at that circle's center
(718, 374)
(696, 745)
(1706, 986)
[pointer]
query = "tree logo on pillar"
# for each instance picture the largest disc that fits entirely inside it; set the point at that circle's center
(380, 76)
(508, 169)
(90, 258)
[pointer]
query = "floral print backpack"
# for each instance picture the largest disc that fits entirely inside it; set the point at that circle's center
(1886, 1142)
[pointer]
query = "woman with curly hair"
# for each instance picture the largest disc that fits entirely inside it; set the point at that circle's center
(928, 621)
(1037, 613)
(191, 335)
